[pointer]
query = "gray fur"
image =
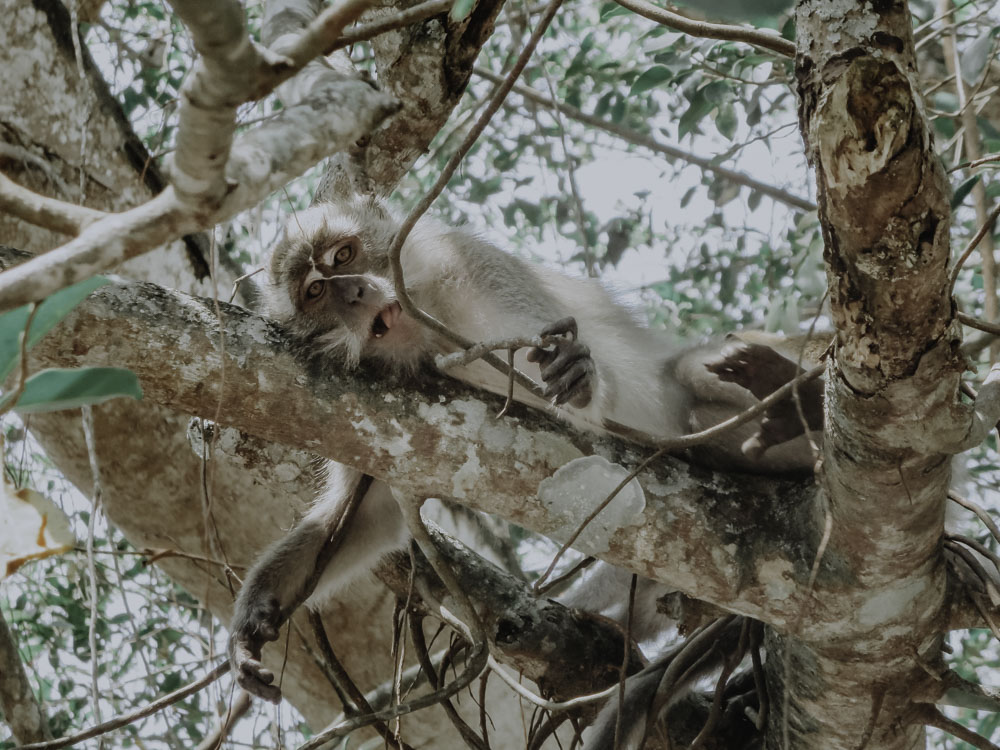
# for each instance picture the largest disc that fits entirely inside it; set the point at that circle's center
(615, 371)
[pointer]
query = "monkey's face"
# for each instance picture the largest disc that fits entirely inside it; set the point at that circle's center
(330, 285)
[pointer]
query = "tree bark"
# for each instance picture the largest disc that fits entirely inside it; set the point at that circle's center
(891, 396)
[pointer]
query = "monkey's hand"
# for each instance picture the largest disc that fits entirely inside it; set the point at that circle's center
(256, 622)
(762, 370)
(567, 368)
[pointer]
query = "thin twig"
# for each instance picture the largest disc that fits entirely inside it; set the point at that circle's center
(986, 227)
(592, 515)
(431, 195)
(477, 351)
(930, 716)
(623, 672)
(235, 711)
(979, 511)
(408, 17)
(132, 716)
(565, 577)
(483, 716)
(240, 279)
(982, 549)
(543, 703)
(730, 663)
(977, 568)
(508, 402)
(698, 438)
(475, 667)
(470, 737)
(978, 323)
(767, 39)
(344, 684)
(646, 141)
(677, 443)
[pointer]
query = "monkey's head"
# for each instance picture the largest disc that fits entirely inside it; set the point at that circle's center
(329, 283)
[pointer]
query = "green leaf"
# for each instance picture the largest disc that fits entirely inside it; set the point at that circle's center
(963, 190)
(698, 107)
(726, 120)
(53, 309)
(55, 389)
(650, 79)
(610, 10)
(461, 9)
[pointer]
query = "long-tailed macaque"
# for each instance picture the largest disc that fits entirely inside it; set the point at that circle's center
(330, 285)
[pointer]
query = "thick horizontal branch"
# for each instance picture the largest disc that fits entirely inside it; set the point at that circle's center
(566, 652)
(735, 541)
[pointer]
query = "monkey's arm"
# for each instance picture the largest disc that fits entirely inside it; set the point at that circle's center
(339, 539)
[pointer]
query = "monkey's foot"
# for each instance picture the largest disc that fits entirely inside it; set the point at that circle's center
(567, 368)
(259, 623)
(762, 370)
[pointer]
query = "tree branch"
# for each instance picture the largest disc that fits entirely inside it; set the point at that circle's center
(262, 161)
(57, 215)
(765, 39)
(452, 448)
(647, 141)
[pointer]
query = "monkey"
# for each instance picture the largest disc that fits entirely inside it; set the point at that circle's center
(330, 284)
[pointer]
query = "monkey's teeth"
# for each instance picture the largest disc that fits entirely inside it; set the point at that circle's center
(386, 319)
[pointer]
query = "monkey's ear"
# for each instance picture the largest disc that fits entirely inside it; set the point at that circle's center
(762, 370)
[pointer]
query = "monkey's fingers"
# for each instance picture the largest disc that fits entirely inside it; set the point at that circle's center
(564, 327)
(256, 679)
(574, 385)
(541, 356)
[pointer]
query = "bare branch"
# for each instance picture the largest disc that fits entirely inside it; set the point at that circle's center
(235, 711)
(646, 141)
(59, 216)
(406, 17)
(132, 716)
(124, 324)
(985, 227)
(262, 161)
(930, 716)
(499, 95)
(474, 668)
(232, 70)
(766, 39)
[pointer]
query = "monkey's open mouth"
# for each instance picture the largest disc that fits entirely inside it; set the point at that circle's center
(386, 319)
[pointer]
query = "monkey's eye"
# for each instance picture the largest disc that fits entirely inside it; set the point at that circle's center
(315, 289)
(344, 254)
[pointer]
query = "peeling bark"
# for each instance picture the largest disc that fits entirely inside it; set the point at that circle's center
(20, 708)
(891, 396)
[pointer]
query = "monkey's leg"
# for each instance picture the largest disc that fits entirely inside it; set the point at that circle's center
(567, 368)
(352, 524)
